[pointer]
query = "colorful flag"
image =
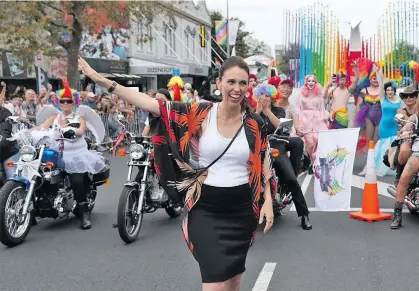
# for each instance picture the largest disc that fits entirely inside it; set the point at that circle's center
(221, 32)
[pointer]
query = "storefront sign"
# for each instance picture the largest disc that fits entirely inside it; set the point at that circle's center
(197, 70)
(160, 70)
(109, 66)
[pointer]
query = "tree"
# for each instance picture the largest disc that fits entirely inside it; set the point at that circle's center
(54, 28)
(242, 48)
(401, 53)
(259, 49)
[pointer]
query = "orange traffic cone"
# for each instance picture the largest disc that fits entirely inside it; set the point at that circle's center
(370, 203)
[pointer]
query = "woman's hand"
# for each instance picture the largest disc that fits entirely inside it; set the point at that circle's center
(259, 107)
(268, 213)
(87, 70)
(266, 102)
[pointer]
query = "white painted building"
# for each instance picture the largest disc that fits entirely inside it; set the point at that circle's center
(254, 44)
(175, 44)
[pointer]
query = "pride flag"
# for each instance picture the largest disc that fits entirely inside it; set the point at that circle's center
(221, 32)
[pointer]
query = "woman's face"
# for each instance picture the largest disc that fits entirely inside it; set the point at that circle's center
(233, 85)
(374, 82)
(161, 97)
(253, 83)
(390, 92)
(66, 105)
(311, 82)
(409, 100)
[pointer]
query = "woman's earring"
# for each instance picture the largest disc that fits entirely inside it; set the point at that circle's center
(247, 95)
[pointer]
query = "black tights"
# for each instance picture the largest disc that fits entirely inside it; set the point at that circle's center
(287, 169)
(79, 184)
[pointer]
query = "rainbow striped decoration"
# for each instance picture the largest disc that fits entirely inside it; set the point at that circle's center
(221, 32)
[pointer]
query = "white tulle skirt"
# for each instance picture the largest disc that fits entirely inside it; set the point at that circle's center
(380, 149)
(76, 156)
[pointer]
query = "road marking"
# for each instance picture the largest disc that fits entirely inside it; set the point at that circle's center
(304, 188)
(384, 210)
(265, 276)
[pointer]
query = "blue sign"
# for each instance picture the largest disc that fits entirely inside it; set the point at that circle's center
(176, 72)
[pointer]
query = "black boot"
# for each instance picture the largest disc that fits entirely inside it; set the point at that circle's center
(397, 216)
(84, 215)
(305, 223)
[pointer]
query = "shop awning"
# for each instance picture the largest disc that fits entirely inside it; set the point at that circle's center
(143, 67)
(119, 76)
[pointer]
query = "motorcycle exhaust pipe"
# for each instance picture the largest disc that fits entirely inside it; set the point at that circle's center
(392, 191)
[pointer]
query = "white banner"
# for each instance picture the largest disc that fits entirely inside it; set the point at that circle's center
(334, 166)
(233, 29)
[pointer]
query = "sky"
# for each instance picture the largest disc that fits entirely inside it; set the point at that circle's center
(264, 18)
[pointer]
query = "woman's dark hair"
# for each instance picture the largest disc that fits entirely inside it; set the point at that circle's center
(232, 62)
(390, 84)
(166, 93)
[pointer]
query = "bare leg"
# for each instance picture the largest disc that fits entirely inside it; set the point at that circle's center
(369, 130)
(405, 151)
(376, 136)
(232, 284)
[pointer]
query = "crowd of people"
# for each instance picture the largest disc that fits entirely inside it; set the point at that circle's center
(211, 141)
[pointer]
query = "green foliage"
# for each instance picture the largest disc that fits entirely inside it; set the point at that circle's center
(402, 52)
(30, 27)
(291, 52)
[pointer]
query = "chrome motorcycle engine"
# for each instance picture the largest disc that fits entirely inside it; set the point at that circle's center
(64, 202)
(157, 193)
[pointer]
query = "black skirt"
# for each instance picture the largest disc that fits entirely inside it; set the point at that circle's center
(220, 227)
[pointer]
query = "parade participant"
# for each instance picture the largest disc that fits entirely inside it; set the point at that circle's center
(78, 160)
(409, 97)
(274, 81)
(7, 148)
(223, 212)
(175, 87)
(285, 167)
(340, 96)
(387, 128)
(161, 95)
(313, 115)
(253, 81)
(285, 89)
(409, 170)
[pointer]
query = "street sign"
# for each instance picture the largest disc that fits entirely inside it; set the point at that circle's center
(176, 72)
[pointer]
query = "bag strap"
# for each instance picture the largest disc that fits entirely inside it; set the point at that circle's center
(226, 149)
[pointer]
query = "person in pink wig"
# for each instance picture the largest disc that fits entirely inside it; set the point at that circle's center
(313, 115)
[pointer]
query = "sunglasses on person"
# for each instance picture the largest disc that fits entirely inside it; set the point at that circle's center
(407, 96)
(66, 101)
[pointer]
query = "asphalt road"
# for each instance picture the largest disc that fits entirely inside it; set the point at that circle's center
(338, 254)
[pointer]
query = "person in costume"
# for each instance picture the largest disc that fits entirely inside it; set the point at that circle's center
(285, 167)
(70, 122)
(313, 115)
(387, 128)
(285, 89)
(253, 81)
(228, 140)
(339, 97)
(274, 81)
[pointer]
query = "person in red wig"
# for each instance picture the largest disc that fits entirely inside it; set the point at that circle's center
(253, 81)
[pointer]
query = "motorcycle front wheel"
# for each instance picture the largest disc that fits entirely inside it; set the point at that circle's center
(129, 222)
(14, 227)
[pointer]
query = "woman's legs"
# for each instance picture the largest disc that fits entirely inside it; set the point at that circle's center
(411, 169)
(404, 154)
(79, 186)
(371, 132)
(232, 284)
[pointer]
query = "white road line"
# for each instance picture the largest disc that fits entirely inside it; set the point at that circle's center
(265, 276)
(384, 210)
(304, 187)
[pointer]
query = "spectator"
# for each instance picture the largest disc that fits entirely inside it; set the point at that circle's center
(29, 106)
(90, 100)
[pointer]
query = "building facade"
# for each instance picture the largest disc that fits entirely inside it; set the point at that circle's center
(179, 41)
(279, 49)
(258, 46)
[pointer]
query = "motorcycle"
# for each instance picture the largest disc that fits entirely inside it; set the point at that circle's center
(142, 194)
(39, 188)
(280, 138)
(412, 198)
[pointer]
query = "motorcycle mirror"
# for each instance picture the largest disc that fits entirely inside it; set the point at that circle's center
(399, 118)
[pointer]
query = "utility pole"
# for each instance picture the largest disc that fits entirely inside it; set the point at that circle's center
(228, 33)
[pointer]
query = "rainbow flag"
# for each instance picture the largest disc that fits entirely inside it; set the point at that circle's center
(221, 32)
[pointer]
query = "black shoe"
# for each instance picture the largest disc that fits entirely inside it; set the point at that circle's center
(34, 221)
(397, 215)
(305, 223)
(84, 216)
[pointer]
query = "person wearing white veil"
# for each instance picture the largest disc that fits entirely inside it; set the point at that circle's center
(71, 122)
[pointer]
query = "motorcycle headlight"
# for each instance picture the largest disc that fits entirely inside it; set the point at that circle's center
(27, 153)
(136, 151)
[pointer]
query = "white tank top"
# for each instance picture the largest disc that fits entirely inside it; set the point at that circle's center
(232, 169)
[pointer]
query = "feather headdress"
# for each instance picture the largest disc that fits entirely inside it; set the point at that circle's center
(67, 93)
(175, 87)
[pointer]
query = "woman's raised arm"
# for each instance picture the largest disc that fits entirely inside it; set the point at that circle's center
(140, 100)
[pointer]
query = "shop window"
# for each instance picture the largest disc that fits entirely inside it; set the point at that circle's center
(170, 37)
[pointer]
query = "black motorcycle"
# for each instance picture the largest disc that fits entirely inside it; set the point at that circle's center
(142, 194)
(39, 188)
(278, 141)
